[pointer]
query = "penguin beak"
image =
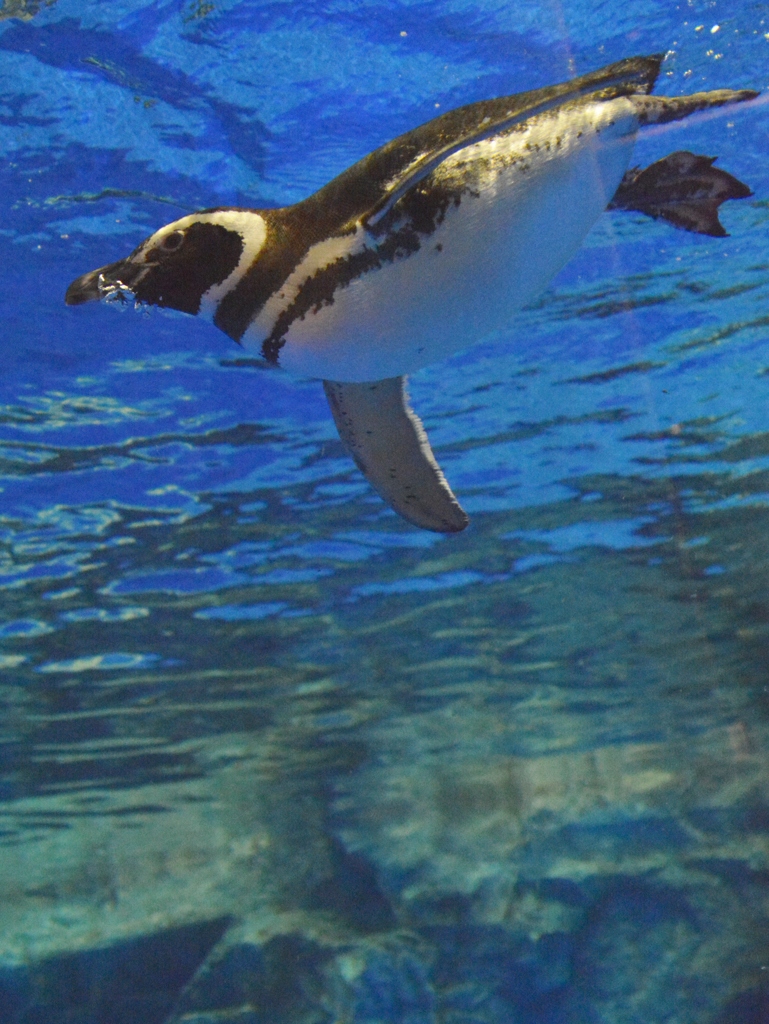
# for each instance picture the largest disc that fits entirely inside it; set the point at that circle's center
(115, 278)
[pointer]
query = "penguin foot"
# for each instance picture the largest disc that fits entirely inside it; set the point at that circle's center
(684, 189)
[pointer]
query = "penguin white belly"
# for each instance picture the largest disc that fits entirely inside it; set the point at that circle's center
(532, 196)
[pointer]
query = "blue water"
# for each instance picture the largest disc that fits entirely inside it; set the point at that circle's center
(267, 752)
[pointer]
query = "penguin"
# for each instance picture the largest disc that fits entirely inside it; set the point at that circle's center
(422, 248)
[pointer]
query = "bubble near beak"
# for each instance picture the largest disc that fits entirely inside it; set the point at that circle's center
(110, 282)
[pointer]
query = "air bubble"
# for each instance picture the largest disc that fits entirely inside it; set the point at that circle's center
(113, 291)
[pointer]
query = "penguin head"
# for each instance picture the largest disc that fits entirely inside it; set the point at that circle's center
(188, 265)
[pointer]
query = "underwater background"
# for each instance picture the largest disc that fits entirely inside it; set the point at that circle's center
(270, 755)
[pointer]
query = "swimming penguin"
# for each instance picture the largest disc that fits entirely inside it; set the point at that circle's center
(420, 249)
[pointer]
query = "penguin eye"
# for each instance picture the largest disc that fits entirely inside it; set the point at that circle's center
(172, 241)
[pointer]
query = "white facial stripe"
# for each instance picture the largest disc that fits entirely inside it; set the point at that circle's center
(248, 224)
(252, 229)
(322, 254)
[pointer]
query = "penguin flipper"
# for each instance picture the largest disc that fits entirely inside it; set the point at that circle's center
(684, 189)
(390, 447)
(398, 166)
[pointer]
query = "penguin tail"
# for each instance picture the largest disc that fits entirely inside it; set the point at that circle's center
(684, 189)
(662, 109)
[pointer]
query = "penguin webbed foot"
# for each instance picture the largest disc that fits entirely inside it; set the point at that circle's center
(684, 189)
